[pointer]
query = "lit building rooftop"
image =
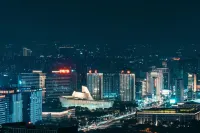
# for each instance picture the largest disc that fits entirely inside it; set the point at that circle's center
(169, 110)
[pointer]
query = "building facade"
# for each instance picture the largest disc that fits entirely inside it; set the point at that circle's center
(95, 85)
(29, 80)
(127, 86)
(32, 104)
(110, 86)
(13, 105)
(140, 88)
(60, 83)
(2, 109)
(155, 84)
(179, 90)
(192, 82)
(158, 115)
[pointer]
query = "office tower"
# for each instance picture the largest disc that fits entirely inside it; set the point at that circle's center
(192, 82)
(35, 79)
(110, 86)
(140, 88)
(32, 104)
(179, 90)
(60, 83)
(95, 84)
(42, 78)
(29, 80)
(166, 77)
(27, 52)
(13, 104)
(155, 84)
(127, 86)
(2, 109)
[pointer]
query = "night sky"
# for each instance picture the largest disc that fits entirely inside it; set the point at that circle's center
(158, 22)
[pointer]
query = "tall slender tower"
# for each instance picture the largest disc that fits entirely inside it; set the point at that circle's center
(95, 84)
(127, 86)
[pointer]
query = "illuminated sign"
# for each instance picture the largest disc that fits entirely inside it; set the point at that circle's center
(64, 71)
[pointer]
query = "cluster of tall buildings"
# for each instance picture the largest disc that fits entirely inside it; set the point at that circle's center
(111, 86)
(53, 84)
(23, 103)
(20, 104)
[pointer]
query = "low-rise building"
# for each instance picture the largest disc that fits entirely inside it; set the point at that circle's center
(58, 114)
(84, 99)
(156, 115)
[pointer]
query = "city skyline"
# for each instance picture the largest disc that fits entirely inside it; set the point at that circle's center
(90, 66)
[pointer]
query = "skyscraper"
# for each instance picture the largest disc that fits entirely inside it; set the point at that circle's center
(60, 83)
(32, 104)
(179, 90)
(166, 77)
(95, 84)
(127, 86)
(13, 102)
(110, 86)
(140, 88)
(2, 109)
(192, 82)
(35, 79)
(155, 84)
(29, 80)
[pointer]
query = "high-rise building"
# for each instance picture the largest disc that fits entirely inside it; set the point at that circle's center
(166, 78)
(32, 104)
(35, 79)
(140, 88)
(155, 84)
(127, 86)
(158, 80)
(29, 80)
(110, 86)
(192, 82)
(27, 52)
(95, 84)
(179, 90)
(2, 109)
(60, 83)
(13, 104)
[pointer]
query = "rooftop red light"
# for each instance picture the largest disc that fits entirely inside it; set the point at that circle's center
(64, 71)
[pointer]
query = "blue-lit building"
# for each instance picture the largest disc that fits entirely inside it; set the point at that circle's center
(60, 83)
(179, 90)
(35, 79)
(29, 80)
(110, 86)
(2, 109)
(95, 84)
(127, 86)
(32, 104)
(13, 105)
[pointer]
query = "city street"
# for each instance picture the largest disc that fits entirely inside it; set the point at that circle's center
(105, 124)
